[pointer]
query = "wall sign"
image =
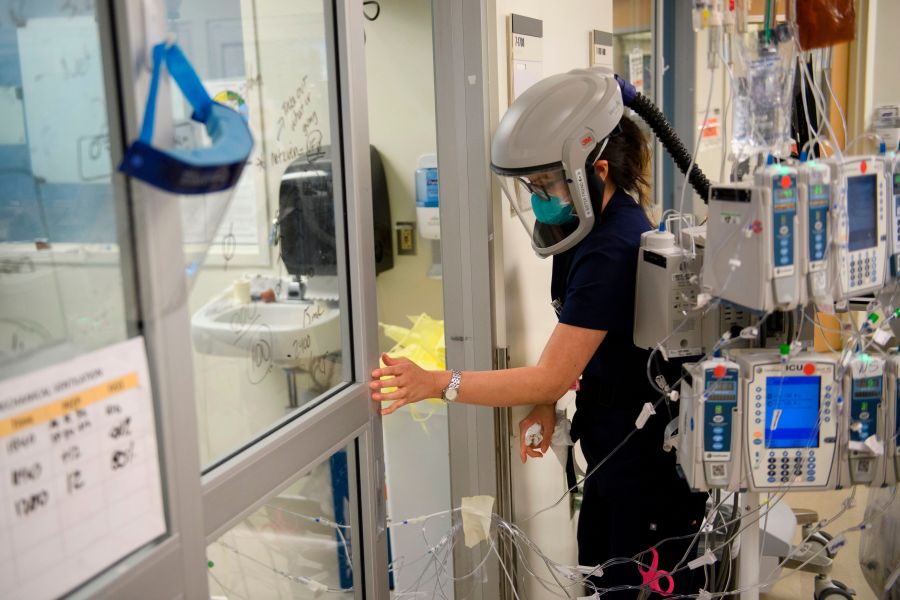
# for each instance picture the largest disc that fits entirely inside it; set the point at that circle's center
(79, 474)
(601, 44)
(526, 54)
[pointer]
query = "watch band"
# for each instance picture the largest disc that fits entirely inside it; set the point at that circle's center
(450, 392)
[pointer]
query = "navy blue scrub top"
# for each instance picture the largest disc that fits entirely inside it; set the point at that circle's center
(594, 283)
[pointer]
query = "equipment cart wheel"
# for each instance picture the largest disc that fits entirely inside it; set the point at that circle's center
(826, 588)
(822, 538)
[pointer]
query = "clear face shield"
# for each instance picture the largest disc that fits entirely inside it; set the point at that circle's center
(543, 201)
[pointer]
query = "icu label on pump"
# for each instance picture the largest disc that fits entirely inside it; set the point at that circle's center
(784, 209)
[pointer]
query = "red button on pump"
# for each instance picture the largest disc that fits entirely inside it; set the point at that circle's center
(809, 369)
(719, 371)
(785, 181)
(863, 167)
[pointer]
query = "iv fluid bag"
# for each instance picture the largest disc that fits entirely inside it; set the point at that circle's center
(761, 88)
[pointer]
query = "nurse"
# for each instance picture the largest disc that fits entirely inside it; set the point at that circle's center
(574, 169)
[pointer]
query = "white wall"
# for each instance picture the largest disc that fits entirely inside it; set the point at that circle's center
(712, 150)
(886, 84)
(529, 319)
(400, 71)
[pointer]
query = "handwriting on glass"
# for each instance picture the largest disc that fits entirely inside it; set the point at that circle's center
(312, 313)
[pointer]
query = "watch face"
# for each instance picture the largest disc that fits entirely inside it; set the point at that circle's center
(450, 395)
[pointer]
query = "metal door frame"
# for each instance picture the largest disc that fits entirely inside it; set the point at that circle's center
(199, 509)
(462, 91)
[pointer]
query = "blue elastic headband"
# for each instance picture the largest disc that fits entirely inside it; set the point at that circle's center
(195, 170)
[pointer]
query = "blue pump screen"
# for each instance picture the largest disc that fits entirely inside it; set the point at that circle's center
(792, 412)
(861, 208)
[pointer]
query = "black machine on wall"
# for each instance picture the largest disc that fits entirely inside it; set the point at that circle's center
(306, 216)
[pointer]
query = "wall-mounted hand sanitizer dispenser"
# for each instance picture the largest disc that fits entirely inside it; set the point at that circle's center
(427, 207)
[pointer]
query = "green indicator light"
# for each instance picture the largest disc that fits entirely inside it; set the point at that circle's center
(864, 406)
(718, 409)
(818, 189)
(788, 193)
(210, 564)
(784, 349)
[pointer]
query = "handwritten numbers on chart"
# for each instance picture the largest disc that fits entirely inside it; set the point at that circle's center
(78, 453)
(72, 8)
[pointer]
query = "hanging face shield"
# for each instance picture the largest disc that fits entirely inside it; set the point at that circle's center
(543, 154)
(205, 174)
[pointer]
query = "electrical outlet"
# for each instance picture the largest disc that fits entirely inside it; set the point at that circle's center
(406, 238)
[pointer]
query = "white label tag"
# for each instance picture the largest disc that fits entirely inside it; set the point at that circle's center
(585, 195)
(685, 352)
(882, 337)
(784, 271)
(875, 445)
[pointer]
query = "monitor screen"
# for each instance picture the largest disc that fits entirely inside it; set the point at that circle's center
(862, 207)
(792, 412)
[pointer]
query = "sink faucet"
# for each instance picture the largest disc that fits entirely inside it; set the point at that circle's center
(296, 289)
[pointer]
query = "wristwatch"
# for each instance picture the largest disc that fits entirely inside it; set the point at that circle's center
(451, 392)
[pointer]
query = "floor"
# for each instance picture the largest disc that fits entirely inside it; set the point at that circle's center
(797, 585)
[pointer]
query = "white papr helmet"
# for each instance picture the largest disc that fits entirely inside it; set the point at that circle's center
(544, 149)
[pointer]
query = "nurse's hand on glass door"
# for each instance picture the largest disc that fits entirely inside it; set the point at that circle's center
(408, 383)
(545, 416)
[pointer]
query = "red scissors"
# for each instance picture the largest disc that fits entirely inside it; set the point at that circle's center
(653, 576)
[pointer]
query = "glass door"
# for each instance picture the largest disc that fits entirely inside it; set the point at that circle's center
(402, 131)
(87, 429)
(226, 379)
(290, 444)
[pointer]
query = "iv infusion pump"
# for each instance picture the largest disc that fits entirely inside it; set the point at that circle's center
(860, 213)
(710, 425)
(753, 251)
(762, 421)
(790, 421)
(819, 232)
(814, 191)
(864, 422)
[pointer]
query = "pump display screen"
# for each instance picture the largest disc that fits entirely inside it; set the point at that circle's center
(862, 207)
(792, 412)
(723, 389)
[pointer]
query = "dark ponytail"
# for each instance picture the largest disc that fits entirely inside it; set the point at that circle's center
(628, 155)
